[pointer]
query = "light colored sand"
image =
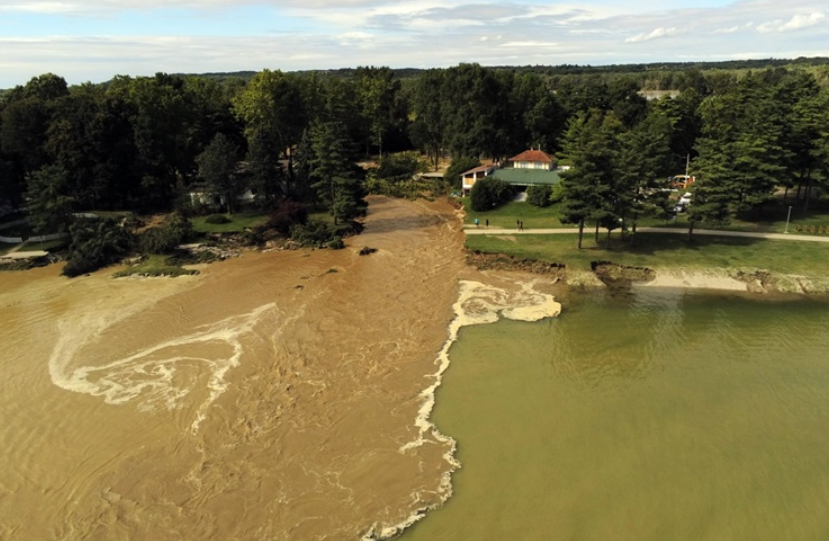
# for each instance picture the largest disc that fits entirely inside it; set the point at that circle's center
(696, 279)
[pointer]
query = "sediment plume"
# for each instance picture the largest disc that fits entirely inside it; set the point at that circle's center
(280, 395)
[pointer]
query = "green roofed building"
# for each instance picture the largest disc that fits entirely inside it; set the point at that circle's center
(527, 177)
(530, 168)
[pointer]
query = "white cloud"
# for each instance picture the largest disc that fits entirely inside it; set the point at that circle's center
(734, 29)
(40, 7)
(534, 44)
(655, 34)
(325, 34)
(798, 22)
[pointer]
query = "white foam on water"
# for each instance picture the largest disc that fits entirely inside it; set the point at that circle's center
(149, 374)
(477, 304)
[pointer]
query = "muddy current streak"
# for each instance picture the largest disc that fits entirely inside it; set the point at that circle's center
(271, 397)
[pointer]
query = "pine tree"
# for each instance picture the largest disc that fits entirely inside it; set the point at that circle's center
(332, 171)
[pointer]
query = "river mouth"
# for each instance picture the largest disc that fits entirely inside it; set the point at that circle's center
(290, 395)
(273, 396)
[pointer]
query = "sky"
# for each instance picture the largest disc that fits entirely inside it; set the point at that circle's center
(93, 40)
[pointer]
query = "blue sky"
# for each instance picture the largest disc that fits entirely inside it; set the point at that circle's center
(85, 40)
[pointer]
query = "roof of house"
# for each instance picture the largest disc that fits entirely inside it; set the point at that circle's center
(479, 169)
(527, 177)
(532, 156)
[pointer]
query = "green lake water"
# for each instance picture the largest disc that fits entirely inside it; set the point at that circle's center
(657, 415)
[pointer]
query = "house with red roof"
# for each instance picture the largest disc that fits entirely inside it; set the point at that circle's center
(532, 159)
(530, 168)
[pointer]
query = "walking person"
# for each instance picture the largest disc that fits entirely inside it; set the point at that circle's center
(487, 223)
(477, 222)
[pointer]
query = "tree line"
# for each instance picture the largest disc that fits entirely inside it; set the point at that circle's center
(763, 132)
(143, 143)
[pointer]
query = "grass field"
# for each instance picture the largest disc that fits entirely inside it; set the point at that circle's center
(664, 251)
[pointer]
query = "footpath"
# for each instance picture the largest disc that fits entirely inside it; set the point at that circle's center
(472, 230)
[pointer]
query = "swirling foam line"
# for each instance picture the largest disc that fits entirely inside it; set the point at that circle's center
(477, 304)
(140, 374)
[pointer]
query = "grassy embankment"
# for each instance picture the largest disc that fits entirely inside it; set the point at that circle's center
(155, 265)
(159, 265)
(656, 250)
(241, 221)
(163, 265)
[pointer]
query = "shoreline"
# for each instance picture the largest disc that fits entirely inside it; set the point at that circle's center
(611, 275)
(477, 304)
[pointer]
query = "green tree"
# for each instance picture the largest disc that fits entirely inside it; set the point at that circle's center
(96, 244)
(428, 130)
(540, 196)
(682, 114)
(266, 176)
(163, 124)
(590, 188)
(643, 162)
(49, 206)
(543, 119)
(217, 166)
(332, 171)
(377, 89)
(741, 148)
(489, 193)
(459, 166)
(274, 114)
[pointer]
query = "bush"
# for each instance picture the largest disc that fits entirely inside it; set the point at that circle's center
(489, 193)
(312, 234)
(217, 219)
(160, 240)
(96, 244)
(335, 244)
(400, 166)
(286, 214)
(540, 196)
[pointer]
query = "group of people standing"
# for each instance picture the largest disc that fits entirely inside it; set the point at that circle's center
(519, 223)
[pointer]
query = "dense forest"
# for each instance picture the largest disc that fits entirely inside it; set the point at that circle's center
(142, 144)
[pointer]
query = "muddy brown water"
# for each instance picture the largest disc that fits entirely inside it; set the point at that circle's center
(271, 397)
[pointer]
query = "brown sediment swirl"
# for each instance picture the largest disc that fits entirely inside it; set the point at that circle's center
(271, 397)
(281, 395)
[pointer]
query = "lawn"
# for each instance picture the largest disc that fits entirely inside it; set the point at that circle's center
(772, 221)
(154, 265)
(664, 251)
(507, 215)
(238, 223)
